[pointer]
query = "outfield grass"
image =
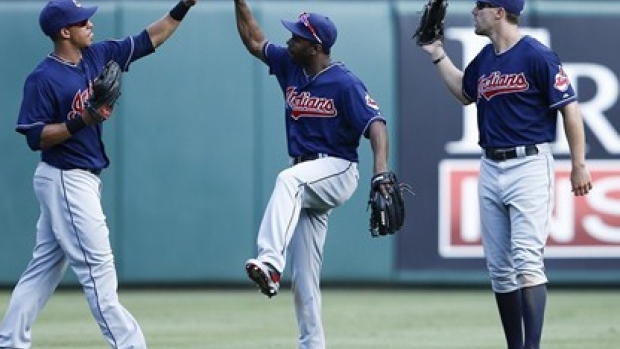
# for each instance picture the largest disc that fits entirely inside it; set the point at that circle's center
(367, 319)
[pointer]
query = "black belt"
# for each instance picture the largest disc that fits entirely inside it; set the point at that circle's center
(503, 154)
(308, 157)
(95, 171)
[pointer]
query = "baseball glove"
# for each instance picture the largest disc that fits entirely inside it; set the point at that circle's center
(387, 208)
(430, 28)
(106, 91)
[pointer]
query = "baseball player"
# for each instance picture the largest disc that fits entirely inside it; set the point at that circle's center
(327, 110)
(71, 229)
(518, 86)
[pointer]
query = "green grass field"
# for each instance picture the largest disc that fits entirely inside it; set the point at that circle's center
(366, 319)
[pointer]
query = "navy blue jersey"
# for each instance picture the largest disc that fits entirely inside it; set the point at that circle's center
(56, 92)
(327, 113)
(517, 93)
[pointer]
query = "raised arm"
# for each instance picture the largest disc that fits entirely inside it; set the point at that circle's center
(249, 31)
(450, 74)
(160, 30)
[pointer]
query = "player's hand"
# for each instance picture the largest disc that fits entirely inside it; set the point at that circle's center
(91, 119)
(434, 50)
(190, 3)
(580, 180)
(384, 189)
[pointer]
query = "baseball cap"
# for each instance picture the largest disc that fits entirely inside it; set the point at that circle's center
(511, 6)
(314, 27)
(58, 14)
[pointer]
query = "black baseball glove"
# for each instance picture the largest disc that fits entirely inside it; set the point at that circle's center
(430, 28)
(387, 206)
(106, 91)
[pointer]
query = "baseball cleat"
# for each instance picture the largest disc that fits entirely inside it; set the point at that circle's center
(266, 277)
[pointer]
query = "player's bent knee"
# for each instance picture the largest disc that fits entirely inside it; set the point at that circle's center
(287, 179)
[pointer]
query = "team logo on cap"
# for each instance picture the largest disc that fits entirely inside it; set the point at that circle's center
(561, 81)
(77, 4)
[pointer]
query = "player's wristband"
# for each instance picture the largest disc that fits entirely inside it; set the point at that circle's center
(179, 11)
(441, 58)
(75, 124)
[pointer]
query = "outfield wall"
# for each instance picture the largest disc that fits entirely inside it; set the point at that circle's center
(198, 139)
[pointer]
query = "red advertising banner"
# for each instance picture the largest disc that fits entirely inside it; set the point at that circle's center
(581, 227)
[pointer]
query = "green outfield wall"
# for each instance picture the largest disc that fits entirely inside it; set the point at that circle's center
(198, 138)
(195, 143)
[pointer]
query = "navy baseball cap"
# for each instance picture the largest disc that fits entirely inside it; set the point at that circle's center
(58, 14)
(511, 6)
(314, 27)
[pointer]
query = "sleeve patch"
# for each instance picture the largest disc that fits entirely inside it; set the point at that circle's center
(371, 102)
(561, 81)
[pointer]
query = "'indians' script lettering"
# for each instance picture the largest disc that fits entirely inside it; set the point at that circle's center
(497, 83)
(305, 105)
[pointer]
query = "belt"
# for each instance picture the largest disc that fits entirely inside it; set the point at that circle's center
(308, 157)
(95, 171)
(503, 154)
